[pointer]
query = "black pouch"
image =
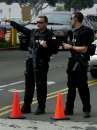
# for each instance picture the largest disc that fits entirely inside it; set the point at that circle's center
(91, 49)
(79, 63)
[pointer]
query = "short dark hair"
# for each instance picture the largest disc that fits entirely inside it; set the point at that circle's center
(44, 17)
(79, 16)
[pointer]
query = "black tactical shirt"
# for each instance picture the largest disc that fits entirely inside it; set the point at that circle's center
(82, 36)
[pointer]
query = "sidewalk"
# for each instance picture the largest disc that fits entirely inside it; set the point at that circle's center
(12, 124)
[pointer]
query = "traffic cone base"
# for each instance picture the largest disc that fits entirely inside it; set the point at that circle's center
(65, 118)
(22, 117)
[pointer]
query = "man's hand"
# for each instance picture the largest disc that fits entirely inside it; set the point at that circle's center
(60, 47)
(67, 46)
(43, 43)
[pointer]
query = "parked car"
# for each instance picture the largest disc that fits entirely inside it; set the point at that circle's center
(91, 21)
(93, 63)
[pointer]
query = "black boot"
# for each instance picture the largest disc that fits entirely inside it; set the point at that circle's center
(87, 114)
(40, 111)
(26, 108)
(68, 113)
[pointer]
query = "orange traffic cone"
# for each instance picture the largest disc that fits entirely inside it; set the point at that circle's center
(16, 112)
(59, 112)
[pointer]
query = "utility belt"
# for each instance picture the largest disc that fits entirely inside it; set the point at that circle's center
(39, 62)
(77, 64)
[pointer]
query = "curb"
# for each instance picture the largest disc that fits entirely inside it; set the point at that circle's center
(11, 49)
(9, 124)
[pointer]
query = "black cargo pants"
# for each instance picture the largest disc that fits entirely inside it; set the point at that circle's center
(41, 83)
(77, 79)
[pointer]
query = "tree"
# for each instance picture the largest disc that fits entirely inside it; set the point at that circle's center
(36, 5)
(52, 2)
(6, 1)
(78, 4)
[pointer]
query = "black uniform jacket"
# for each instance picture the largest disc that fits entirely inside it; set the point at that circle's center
(36, 36)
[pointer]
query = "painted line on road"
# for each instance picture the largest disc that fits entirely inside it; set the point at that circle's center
(1, 89)
(21, 82)
(52, 93)
(7, 109)
(49, 83)
(22, 90)
(19, 90)
(11, 84)
(55, 92)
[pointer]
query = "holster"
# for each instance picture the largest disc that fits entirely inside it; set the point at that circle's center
(79, 63)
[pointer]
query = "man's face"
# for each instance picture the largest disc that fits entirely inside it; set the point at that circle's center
(73, 21)
(41, 24)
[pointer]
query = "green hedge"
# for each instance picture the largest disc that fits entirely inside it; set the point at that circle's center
(4, 44)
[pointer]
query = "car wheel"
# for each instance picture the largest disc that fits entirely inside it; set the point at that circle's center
(93, 73)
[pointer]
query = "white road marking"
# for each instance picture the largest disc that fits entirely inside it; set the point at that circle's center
(20, 82)
(1, 89)
(11, 84)
(18, 90)
(51, 82)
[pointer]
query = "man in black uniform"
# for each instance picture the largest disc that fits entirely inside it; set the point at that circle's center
(78, 65)
(40, 49)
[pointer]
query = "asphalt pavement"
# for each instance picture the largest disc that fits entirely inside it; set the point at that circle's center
(12, 64)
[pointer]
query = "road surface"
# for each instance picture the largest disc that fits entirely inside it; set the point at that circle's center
(12, 67)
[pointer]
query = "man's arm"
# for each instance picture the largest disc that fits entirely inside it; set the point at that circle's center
(19, 27)
(80, 49)
(84, 40)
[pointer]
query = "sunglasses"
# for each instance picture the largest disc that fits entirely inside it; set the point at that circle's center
(72, 17)
(39, 22)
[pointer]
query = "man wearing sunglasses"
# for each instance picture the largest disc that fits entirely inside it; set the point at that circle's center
(78, 64)
(40, 49)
